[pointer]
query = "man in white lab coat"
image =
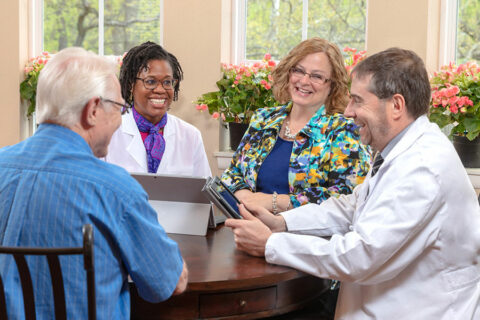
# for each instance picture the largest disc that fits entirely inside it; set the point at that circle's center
(406, 243)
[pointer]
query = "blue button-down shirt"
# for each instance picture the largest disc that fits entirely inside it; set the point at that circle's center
(50, 186)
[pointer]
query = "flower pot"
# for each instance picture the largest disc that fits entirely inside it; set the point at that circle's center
(236, 130)
(223, 137)
(468, 151)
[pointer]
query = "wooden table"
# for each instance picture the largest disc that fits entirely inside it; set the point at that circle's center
(226, 283)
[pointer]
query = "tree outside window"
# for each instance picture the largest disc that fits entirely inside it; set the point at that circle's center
(468, 31)
(127, 23)
(276, 26)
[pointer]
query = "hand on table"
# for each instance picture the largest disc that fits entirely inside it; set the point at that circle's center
(250, 233)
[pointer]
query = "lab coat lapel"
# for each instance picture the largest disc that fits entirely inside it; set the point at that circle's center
(413, 133)
(135, 147)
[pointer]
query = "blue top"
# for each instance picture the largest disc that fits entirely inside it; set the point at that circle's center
(273, 174)
(50, 186)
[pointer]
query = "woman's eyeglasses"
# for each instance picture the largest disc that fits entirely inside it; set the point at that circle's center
(124, 107)
(151, 83)
(314, 77)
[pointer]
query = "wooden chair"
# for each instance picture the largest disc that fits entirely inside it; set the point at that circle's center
(55, 276)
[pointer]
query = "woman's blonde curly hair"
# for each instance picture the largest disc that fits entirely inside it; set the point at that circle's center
(338, 98)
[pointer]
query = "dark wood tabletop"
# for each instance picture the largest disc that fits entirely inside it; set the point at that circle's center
(227, 283)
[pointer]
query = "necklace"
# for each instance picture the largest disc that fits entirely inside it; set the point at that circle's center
(288, 134)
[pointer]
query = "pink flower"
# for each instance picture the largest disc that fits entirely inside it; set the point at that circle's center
(267, 56)
(271, 63)
(454, 109)
(28, 69)
(201, 107)
(215, 115)
(235, 82)
(268, 86)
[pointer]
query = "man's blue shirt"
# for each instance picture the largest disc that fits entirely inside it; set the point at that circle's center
(50, 186)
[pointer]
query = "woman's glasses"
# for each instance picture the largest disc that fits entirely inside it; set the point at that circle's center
(151, 83)
(314, 77)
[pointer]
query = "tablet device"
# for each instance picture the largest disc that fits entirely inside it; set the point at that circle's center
(180, 204)
(222, 197)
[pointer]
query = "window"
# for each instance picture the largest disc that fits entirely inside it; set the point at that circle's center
(109, 27)
(276, 26)
(468, 31)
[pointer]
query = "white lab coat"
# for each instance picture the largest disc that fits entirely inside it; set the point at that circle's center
(184, 151)
(405, 244)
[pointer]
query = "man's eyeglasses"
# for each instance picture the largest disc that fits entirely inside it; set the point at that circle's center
(314, 77)
(124, 107)
(151, 83)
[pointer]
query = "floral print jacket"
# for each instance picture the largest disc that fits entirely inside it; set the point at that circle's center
(327, 156)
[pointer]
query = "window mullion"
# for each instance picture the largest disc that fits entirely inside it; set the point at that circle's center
(305, 20)
(101, 6)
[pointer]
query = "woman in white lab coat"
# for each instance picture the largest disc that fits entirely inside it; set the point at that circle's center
(150, 139)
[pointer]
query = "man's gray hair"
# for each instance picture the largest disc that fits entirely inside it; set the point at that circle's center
(66, 83)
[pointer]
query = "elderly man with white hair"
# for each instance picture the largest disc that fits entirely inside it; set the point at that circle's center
(53, 183)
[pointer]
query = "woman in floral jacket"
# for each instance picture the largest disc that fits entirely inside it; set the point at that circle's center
(306, 150)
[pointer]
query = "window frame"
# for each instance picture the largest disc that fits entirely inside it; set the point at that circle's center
(448, 32)
(239, 29)
(36, 26)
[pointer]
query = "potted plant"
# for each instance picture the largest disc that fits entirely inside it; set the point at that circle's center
(28, 87)
(455, 104)
(241, 91)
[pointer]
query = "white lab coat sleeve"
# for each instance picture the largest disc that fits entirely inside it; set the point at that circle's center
(201, 164)
(392, 229)
(333, 216)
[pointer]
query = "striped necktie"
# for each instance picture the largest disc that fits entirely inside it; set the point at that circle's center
(377, 162)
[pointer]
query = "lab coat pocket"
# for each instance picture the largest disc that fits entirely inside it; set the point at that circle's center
(461, 278)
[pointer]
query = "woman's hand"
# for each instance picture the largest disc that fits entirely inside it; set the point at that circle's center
(264, 200)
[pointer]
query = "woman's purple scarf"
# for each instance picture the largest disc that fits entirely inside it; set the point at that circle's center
(154, 142)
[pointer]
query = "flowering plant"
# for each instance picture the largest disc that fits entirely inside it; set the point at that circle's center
(241, 90)
(353, 58)
(28, 87)
(456, 99)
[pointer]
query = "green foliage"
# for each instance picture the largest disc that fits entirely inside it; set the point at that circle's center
(127, 23)
(28, 87)
(241, 91)
(276, 26)
(468, 31)
(456, 99)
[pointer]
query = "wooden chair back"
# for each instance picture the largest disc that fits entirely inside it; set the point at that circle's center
(56, 278)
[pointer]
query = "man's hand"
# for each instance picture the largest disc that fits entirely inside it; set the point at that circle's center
(182, 281)
(276, 223)
(250, 233)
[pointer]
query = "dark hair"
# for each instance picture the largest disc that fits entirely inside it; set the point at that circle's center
(399, 71)
(337, 100)
(137, 59)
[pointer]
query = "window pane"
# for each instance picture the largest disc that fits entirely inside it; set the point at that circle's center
(69, 23)
(339, 21)
(273, 27)
(468, 31)
(129, 23)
